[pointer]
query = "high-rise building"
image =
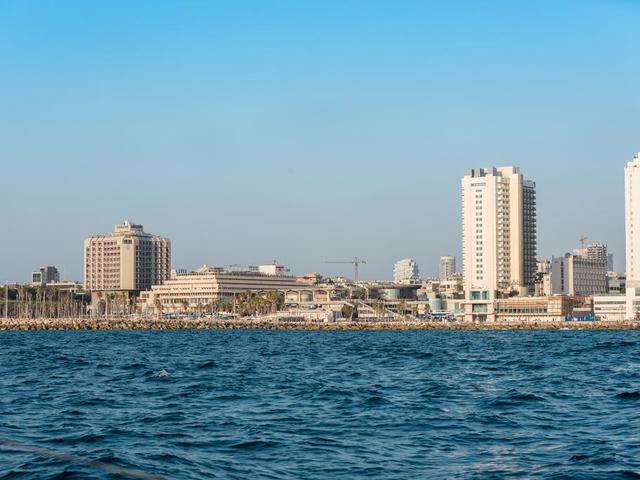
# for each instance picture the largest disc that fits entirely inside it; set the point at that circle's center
(126, 260)
(632, 220)
(498, 230)
(632, 235)
(406, 271)
(45, 275)
(447, 267)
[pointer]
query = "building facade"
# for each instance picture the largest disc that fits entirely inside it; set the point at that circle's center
(45, 275)
(198, 290)
(578, 275)
(447, 267)
(499, 240)
(406, 271)
(128, 259)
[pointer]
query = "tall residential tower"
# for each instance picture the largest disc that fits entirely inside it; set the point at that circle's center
(499, 243)
(447, 267)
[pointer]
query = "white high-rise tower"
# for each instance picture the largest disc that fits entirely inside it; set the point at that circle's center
(632, 220)
(499, 243)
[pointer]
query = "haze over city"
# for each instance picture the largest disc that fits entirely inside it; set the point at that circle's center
(305, 132)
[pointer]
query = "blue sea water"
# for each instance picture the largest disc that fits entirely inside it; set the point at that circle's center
(323, 405)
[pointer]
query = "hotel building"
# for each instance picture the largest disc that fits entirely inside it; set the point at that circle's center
(632, 234)
(127, 260)
(499, 243)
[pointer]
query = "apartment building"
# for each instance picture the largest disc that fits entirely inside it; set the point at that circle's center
(406, 271)
(447, 267)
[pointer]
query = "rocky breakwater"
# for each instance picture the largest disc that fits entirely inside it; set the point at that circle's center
(154, 323)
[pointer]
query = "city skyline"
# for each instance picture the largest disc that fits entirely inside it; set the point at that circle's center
(303, 133)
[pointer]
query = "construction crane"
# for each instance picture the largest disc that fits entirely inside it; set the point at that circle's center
(356, 262)
(583, 239)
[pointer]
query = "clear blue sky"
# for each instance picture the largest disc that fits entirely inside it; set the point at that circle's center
(302, 131)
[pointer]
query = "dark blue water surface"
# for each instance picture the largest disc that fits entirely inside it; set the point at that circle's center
(323, 405)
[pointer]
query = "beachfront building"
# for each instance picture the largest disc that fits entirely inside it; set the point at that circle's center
(199, 290)
(447, 267)
(632, 235)
(406, 271)
(538, 309)
(499, 243)
(616, 283)
(578, 275)
(611, 308)
(127, 260)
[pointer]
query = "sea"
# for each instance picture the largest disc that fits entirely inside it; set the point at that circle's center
(245, 404)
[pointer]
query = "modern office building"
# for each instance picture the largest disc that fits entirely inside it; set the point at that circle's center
(127, 260)
(45, 275)
(499, 243)
(578, 275)
(447, 267)
(406, 271)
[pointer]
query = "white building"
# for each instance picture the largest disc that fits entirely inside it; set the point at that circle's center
(447, 267)
(406, 271)
(612, 308)
(273, 269)
(578, 275)
(499, 242)
(632, 234)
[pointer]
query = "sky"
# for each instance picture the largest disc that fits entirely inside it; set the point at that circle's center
(305, 131)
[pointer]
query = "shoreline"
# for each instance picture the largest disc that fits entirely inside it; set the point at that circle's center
(152, 323)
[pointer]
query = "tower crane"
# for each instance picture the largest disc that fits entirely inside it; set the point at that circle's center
(583, 239)
(356, 262)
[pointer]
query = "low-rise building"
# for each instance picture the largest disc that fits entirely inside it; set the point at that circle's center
(392, 292)
(610, 307)
(552, 309)
(199, 290)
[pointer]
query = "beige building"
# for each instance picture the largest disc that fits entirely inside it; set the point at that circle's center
(128, 260)
(200, 289)
(499, 243)
(554, 308)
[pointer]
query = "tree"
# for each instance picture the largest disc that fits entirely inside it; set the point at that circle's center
(349, 311)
